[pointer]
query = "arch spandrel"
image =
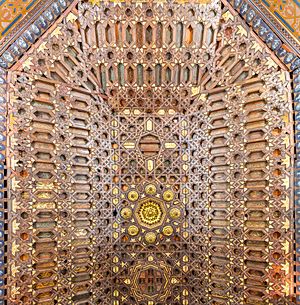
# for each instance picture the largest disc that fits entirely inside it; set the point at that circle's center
(127, 114)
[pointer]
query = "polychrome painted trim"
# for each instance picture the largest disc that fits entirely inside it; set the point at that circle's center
(285, 52)
(296, 87)
(33, 31)
(24, 23)
(3, 92)
(2, 181)
(282, 12)
(12, 12)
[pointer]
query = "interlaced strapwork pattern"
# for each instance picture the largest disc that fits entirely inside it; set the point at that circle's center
(150, 155)
(156, 180)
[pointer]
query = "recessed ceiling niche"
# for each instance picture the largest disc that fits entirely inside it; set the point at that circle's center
(151, 150)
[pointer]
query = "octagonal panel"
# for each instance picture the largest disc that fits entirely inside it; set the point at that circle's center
(150, 212)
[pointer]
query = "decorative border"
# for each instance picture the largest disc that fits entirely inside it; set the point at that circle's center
(285, 50)
(255, 20)
(277, 25)
(13, 12)
(34, 30)
(24, 23)
(3, 208)
(296, 89)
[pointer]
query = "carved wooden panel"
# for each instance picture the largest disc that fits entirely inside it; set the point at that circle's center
(151, 154)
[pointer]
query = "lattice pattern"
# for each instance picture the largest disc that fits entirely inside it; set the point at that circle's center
(144, 178)
(151, 155)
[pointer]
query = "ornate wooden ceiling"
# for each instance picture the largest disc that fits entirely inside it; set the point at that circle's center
(150, 157)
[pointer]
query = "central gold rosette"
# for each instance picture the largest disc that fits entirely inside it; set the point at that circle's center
(151, 216)
(150, 212)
